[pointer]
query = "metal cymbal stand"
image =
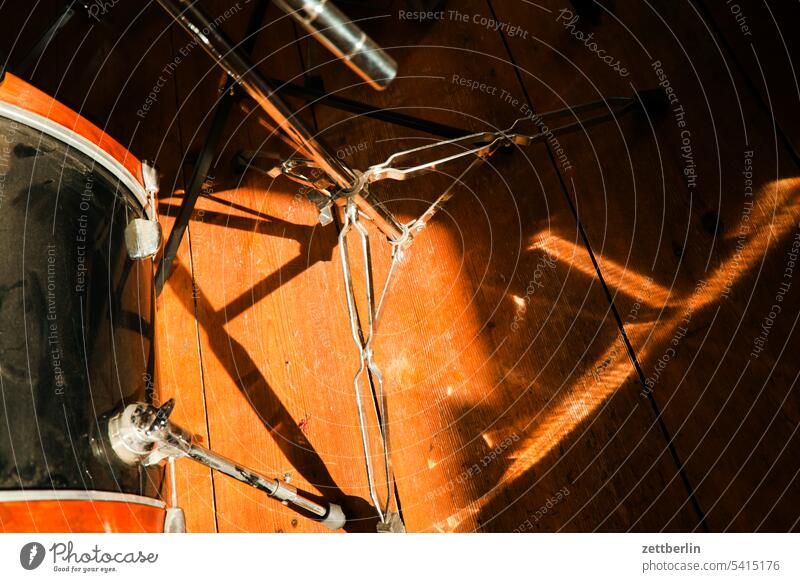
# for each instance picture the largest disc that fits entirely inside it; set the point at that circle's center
(334, 183)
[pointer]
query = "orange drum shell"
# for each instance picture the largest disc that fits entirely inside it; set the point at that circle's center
(17, 92)
(80, 516)
(75, 515)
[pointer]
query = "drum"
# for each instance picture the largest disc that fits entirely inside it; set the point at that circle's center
(76, 322)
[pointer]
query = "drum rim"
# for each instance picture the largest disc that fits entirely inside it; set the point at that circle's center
(33, 495)
(83, 145)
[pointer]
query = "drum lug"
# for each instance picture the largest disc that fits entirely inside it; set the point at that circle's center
(142, 238)
(143, 235)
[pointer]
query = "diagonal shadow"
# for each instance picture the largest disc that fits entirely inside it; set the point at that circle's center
(308, 256)
(262, 398)
(515, 475)
(266, 225)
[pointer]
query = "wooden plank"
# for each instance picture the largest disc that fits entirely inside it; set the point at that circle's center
(506, 410)
(666, 203)
(273, 373)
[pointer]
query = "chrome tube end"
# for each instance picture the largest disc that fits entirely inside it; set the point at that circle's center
(335, 518)
(373, 65)
(327, 24)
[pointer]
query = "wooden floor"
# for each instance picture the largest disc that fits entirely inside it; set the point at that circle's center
(597, 333)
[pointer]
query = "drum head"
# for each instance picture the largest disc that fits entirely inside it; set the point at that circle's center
(76, 318)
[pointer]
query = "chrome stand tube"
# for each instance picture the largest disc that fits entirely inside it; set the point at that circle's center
(274, 488)
(224, 52)
(343, 38)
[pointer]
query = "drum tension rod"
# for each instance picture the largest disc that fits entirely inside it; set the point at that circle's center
(143, 434)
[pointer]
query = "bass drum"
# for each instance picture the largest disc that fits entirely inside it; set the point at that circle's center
(76, 322)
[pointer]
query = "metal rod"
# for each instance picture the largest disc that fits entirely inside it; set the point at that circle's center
(222, 50)
(189, 202)
(203, 163)
(327, 24)
(142, 433)
(172, 482)
(363, 344)
(371, 111)
(272, 487)
(35, 53)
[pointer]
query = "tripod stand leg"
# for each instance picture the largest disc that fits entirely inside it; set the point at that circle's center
(193, 193)
(204, 161)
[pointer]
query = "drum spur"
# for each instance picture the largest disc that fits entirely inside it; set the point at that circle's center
(143, 434)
